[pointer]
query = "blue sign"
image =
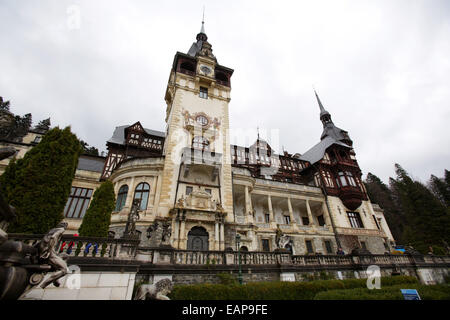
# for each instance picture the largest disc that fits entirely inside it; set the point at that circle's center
(410, 294)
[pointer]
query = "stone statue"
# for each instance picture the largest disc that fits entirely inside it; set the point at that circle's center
(151, 230)
(133, 217)
(281, 239)
(166, 233)
(157, 291)
(47, 254)
(180, 202)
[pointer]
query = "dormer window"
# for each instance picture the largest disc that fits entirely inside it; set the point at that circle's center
(203, 93)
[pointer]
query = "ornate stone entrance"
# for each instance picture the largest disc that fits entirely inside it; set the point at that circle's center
(198, 239)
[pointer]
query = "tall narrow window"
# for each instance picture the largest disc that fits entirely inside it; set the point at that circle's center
(309, 246)
(141, 192)
(305, 221)
(203, 93)
(287, 219)
(351, 179)
(328, 246)
(376, 222)
(355, 220)
(321, 220)
(265, 245)
(342, 179)
(267, 218)
(121, 197)
(188, 190)
(77, 203)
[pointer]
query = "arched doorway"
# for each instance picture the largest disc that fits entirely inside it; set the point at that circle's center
(198, 239)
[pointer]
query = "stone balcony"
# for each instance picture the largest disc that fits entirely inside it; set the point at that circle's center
(191, 156)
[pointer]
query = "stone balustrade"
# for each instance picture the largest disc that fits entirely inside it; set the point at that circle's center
(86, 246)
(128, 249)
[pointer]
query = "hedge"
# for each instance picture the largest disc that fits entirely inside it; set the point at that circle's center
(430, 292)
(275, 290)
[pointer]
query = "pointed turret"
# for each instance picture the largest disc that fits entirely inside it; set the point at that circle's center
(329, 129)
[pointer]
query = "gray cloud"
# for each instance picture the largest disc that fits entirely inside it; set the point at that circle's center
(382, 69)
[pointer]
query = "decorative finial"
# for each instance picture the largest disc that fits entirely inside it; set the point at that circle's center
(257, 130)
(202, 30)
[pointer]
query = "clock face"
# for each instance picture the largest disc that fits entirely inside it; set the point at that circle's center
(205, 69)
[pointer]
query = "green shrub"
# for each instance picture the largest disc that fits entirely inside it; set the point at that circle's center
(38, 185)
(306, 290)
(435, 292)
(227, 278)
(98, 216)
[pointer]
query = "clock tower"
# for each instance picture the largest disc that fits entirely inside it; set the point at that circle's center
(196, 186)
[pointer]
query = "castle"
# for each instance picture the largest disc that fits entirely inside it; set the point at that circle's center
(211, 191)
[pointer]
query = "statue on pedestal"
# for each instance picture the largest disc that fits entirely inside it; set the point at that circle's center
(47, 253)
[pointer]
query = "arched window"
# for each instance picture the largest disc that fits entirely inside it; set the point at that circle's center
(121, 197)
(200, 143)
(141, 192)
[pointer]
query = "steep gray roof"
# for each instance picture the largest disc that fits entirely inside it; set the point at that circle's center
(196, 47)
(91, 163)
(317, 152)
(118, 136)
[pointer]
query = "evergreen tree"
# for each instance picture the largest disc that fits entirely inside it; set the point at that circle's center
(380, 193)
(38, 185)
(427, 219)
(98, 216)
(4, 105)
(441, 188)
(93, 151)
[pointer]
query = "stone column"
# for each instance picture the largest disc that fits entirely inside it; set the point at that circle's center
(222, 237)
(310, 217)
(326, 215)
(248, 207)
(216, 236)
(182, 237)
(176, 234)
(269, 204)
(291, 212)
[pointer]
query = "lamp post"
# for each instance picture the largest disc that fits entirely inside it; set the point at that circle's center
(238, 244)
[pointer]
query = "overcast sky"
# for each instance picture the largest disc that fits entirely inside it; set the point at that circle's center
(381, 68)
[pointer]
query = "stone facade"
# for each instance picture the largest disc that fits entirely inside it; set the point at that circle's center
(211, 192)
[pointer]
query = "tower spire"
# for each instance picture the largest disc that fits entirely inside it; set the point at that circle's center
(322, 109)
(202, 30)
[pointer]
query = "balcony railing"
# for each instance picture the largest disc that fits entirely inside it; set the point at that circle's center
(127, 249)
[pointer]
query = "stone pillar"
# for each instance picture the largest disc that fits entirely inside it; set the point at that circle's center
(181, 237)
(216, 236)
(326, 215)
(291, 212)
(310, 217)
(269, 204)
(176, 233)
(222, 237)
(248, 207)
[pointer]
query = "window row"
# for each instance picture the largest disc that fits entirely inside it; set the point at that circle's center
(79, 199)
(141, 192)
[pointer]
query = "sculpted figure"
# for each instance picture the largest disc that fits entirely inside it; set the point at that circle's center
(47, 254)
(157, 291)
(281, 239)
(166, 233)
